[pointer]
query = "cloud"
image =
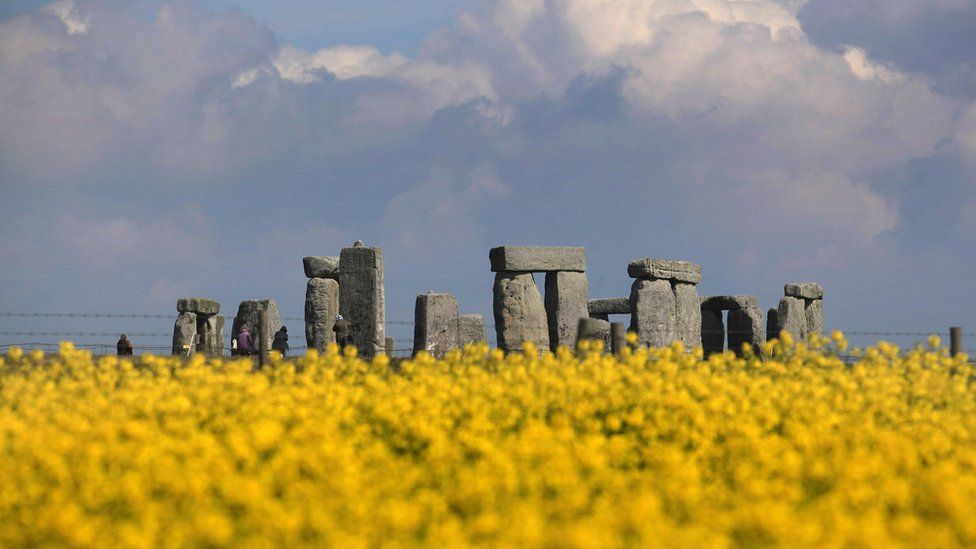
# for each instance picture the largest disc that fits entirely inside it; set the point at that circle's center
(740, 131)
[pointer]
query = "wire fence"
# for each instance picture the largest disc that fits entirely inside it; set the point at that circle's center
(29, 339)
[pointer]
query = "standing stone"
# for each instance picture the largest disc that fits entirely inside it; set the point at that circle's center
(746, 326)
(520, 315)
(688, 317)
(435, 327)
(362, 298)
(184, 332)
(321, 308)
(471, 329)
(653, 317)
(792, 317)
(211, 335)
(567, 299)
(772, 324)
(317, 266)
(713, 331)
(815, 315)
(247, 313)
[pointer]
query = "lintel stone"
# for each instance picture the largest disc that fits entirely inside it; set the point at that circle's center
(804, 290)
(320, 266)
(198, 305)
(665, 269)
(610, 306)
(729, 302)
(537, 259)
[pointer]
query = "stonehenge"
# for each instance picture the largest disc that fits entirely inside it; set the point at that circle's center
(602, 308)
(664, 302)
(248, 313)
(745, 323)
(321, 300)
(199, 326)
(436, 324)
(362, 297)
(471, 329)
(520, 313)
(800, 312)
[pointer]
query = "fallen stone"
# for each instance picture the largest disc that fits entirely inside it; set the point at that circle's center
(688, 319)
(567, 295)
(713, 331)
(611, 306)
(729, 302)
(211, 335)
(471, 329)
(321, 308)
(804, 290)
(184, 332)
(792, 317)
(362, 297)
(321, 266)
(653, 317)
(746, 326)
(519, 312)
(665, 269)
(815, 315)
(435, 327)
(537, 259)
(248, 313)
(198, 305)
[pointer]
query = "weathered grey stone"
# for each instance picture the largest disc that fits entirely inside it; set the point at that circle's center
(665, 269)
(199, 305)
(435, 327)
(520, 315)
(321, 308)
(599, 316)
(610, 306)
(567, 295)
(653, 317)
(815, 315)
(321, 266)
(211, 333)
(184, 332)
(537, 258)
(746, 326)
(792, 317)
(471, 329)
(772, 324)
(603, 334)
(248, 312)
(729, 302)
(804, 290)
(688, 319)
(713, 331)
(362, 297)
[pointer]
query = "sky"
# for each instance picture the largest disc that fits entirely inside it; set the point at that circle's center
(152, 150)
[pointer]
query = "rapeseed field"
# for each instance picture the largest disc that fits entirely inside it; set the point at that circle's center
(653, 448)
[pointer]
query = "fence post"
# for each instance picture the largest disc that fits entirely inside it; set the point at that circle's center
(955, 340)
(389, 347)
(263, 335)
(618, 337)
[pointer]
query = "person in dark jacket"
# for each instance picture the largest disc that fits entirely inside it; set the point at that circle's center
(124, 346)
(245, 344)
(280, 341)
(341, 329)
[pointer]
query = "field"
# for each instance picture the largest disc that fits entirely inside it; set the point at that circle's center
(656, 447)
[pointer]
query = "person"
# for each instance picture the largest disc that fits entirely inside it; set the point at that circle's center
(280, 341)
(245, 344)
(341, 329)
(124, 346)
